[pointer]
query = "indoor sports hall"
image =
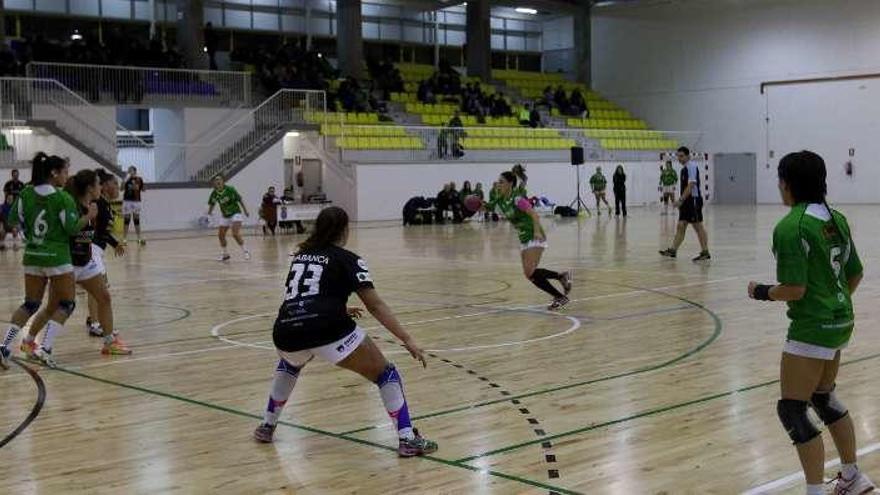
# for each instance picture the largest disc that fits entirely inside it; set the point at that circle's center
(439, 247)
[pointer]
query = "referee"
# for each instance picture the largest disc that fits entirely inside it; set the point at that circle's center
(690, 207)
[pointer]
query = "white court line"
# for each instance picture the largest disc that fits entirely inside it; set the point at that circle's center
(791, 478)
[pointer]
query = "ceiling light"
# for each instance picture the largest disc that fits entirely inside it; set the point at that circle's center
(292, 134)
(526, 10)
(21, 130)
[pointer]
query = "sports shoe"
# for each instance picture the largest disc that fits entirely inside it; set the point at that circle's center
(558, 304)
(859, 485)
(45, 356)
(565, 280)
(264, 433)
(411, 447)
(142, 242)
(247, 255)
(704, 256)
(95, 329)
(5, 357)
(669, 253)
(116, 348)
(29, 349)
(224, 258)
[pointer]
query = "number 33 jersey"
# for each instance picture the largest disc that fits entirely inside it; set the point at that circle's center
(314, 311)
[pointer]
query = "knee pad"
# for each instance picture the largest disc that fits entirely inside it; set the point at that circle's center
(31, 307)
(67, 306)
(827, 407)
(285, 366)
(793, 414)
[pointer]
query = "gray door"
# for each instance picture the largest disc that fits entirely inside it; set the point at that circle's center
(735, 178)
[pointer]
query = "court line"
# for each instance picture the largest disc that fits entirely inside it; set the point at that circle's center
(715, 334)
(647, 413)
(318, 431)
(35, 410)
(787, 480)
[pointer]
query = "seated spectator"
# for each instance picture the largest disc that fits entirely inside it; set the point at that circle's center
(577, 104)
(548, 97)
(561, 100)
(535, 118)
(525, 116)
(451, 137)
(448, 200)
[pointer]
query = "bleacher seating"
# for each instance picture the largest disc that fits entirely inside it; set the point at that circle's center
(380, 143)
(607, 123)
(363, 131)
(540, 143)
(470, 120)
(341, 117)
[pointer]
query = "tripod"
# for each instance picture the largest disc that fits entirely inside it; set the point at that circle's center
(578, 200)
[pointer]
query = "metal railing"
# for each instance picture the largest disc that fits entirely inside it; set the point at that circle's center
(392, 143)
(143, 85)
(230, 148)
(30, 100)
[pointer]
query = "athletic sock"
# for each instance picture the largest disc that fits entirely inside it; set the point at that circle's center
(108, 339)
(549, 274)
(279, 392)
(10, 335)
(539, 278)
(815, 489)
(849, 471)
(391, 389)
(53, 328)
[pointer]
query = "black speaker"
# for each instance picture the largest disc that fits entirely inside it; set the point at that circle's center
(577, 155)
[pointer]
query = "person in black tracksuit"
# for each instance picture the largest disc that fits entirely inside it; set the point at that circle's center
(619, 179)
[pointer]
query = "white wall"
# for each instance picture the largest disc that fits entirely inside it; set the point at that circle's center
(27, 145)
(695, 65)
(172, 209)
(382, 190)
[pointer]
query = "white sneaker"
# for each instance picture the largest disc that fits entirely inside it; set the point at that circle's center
(859, 485)
(565, 280)
(95, 329)
(224, 258)
(45, 357)
(247, 255)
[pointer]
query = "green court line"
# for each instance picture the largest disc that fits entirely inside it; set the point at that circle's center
(643, 414)
(318, 431)
(715, 334)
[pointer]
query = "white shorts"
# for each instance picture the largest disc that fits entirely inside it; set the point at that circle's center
(47, 271)
(669, 190)
(131, 208)
(226, 222)
(812, 351)
(94, 268)
(333, 352)
(534, 243)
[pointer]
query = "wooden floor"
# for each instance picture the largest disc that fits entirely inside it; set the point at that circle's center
(659, 378)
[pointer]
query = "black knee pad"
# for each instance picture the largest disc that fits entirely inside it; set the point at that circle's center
(31, 307)
(793, 414)
(67, 306)
(827, 407)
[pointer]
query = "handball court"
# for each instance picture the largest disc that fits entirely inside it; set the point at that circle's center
(659, 377)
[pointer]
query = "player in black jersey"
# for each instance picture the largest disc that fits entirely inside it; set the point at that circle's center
(103, 237)
(88, 269)
(315, 321)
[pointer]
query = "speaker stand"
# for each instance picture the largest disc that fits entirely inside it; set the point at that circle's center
(578, 202)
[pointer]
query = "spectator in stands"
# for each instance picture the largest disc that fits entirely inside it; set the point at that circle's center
(455, 133)
(535, 117)
(211, 46)
(561, 100)
(548, 97)
(13, 186)
(524, 114)
(499, 106)
(577, 104)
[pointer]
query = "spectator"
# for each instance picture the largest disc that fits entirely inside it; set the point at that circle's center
(577, 104)
(524, 116)
(269, 210)
(13, 186)
(619, 180)
(448, 200)
(478, 191)
(451, 138)
(535, 118)
(548, 97)
(561, 100)
(211, 46)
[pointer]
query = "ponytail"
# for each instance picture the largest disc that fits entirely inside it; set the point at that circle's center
(520, 171)
(42, 167)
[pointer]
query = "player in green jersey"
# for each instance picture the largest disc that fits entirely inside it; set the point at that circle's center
(598, 184)
(512, 200)
(817, 269)
(231, 209)
(668, 178)
(48, 216)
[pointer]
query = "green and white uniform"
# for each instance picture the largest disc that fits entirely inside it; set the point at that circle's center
(521, 220)
(598, 182)
(48, 217)
(810, 252)
(668, 179)
(230, 205)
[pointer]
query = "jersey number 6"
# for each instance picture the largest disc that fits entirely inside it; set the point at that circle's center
(312, 282)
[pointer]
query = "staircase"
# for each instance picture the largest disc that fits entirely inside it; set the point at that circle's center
(255, 132)
(49, 104)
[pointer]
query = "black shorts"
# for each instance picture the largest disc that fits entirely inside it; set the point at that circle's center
(691, 211)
